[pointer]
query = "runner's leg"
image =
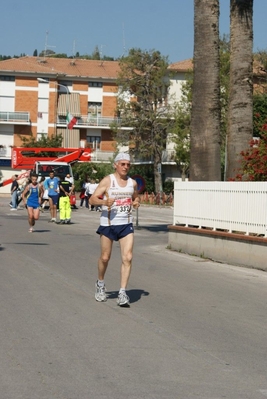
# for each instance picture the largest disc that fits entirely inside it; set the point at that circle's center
(126, 245)
(51, 207)
(36, 214)
(106, 249)
(30, 216)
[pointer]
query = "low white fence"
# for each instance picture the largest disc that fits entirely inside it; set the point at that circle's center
(231, 206)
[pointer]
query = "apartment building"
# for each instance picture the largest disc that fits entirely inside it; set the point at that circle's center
(37, 92)
(179, 74)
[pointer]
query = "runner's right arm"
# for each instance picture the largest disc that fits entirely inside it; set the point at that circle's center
(100, 191)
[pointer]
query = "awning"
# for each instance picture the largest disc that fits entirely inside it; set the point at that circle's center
(71, 138)
(69, 102)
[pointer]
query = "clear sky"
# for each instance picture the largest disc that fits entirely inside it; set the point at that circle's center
(115, 26)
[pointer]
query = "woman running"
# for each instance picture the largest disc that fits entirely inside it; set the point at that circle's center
(32, 197)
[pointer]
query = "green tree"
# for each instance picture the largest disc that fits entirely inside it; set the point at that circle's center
(240, 111)
(181, 138)
(53, 141)
(259, 113)
(253, 160)
(35, 53)
(96, 54)
(142, 107)
(181, 128)
(46, 53)
(60, 55)
(205, 120)
(84, 170)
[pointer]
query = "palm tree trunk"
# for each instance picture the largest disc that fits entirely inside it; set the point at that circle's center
(205, 122)
(240, 109)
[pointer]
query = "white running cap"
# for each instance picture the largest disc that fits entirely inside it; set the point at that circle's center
(122, 156)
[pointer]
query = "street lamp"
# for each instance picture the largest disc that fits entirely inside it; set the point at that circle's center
(58, 84)
(67, 102)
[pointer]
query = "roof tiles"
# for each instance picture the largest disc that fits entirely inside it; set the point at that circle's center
(62, 66)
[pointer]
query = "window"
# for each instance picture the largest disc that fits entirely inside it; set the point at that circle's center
(95, 141)
(7, 78)
(94, 109)
(41, 135)
(95, 84)
(65, 83)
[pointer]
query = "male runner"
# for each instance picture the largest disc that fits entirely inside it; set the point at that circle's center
(119, 196)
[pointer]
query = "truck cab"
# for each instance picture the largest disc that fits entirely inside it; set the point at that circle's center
(61, 169)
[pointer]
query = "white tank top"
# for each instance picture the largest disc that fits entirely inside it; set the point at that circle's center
(121, 211)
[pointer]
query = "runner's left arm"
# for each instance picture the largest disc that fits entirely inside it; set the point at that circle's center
(135, 197)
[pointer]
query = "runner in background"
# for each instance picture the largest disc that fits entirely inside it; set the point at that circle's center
(32, 197)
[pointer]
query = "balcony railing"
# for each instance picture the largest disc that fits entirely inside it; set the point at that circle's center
(105, 156)
(15, 117)
(87, 120)
(168, 156)
(101, 156)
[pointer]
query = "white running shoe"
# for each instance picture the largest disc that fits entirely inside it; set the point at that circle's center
(123, 299)
(100, 293)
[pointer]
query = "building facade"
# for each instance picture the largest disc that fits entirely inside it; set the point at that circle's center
(36, 93)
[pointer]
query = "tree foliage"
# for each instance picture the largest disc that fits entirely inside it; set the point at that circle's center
(142, 106)
(253, 163)
(181, 127)
(96, 55)
(87, 170)
(181, 137)
(259, 114)
(53, 141)
(254, 160)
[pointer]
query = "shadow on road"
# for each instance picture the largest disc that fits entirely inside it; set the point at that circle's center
(134, 295)
(27, 243)
(153, 227)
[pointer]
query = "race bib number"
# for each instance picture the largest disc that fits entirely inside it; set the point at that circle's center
(123, 205)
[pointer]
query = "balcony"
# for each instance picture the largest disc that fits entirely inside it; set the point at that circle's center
(99, 156)
(15, 118)
(168, 157)
(87, 121)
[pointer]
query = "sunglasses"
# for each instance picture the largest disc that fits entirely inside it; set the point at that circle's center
(125, 164)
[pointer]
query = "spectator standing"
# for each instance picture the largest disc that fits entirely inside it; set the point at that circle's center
(90, 190)
(98, 208)
(45, 198)
(53, 194)
(69, 178)
(83, 197)
(66, 189)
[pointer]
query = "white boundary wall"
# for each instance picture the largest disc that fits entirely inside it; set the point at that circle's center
(231, 206)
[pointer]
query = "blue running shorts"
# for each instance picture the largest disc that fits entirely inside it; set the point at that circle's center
(54, 198)
(115, 233)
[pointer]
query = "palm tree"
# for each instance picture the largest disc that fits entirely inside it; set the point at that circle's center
(240, 107)
(205, 122)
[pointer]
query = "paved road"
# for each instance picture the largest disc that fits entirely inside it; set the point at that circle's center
(196, 329)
